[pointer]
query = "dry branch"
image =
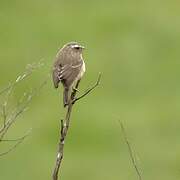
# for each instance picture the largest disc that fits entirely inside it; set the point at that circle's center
(65, 125)
(10, 115)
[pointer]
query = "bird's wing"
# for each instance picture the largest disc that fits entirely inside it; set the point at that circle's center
(66, 70)
(55, 77)
(70, 72)
(56, 70)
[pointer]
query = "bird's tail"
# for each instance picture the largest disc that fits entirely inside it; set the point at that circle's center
(66, 97)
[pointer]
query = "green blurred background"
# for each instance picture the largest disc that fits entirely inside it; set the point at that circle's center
(135, 44)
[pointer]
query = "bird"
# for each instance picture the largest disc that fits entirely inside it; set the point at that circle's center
(68, 68)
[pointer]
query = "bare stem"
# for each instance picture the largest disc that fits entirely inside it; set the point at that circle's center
(65, 126)
(133, 159)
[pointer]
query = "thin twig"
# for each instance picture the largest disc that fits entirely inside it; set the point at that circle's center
(19, 141)
(9, 118)
(19, 110)
(30, 68)
(133, 159)
(89, 90)
(4, 115)
(65, 126)
(9, 89)
(5, 89)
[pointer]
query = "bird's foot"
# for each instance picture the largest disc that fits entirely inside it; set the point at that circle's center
(75, 89)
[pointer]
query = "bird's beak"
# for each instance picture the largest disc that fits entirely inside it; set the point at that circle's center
(82, 47)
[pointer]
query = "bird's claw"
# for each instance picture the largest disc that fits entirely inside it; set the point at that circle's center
(75, 89)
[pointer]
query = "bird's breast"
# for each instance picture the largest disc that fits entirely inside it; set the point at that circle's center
(83, 69)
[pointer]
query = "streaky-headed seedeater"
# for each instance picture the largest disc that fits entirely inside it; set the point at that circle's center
(69, 67)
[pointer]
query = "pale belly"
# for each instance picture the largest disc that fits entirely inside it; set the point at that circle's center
(83, 69)
(81, 73)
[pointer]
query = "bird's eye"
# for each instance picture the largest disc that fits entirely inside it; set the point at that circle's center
(77, 47)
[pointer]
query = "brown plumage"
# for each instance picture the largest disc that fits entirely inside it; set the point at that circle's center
(68, 68)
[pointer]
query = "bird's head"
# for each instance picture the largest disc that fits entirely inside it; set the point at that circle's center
(73, 48)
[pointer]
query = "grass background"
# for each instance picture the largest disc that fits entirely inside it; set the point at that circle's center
(135, 44)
